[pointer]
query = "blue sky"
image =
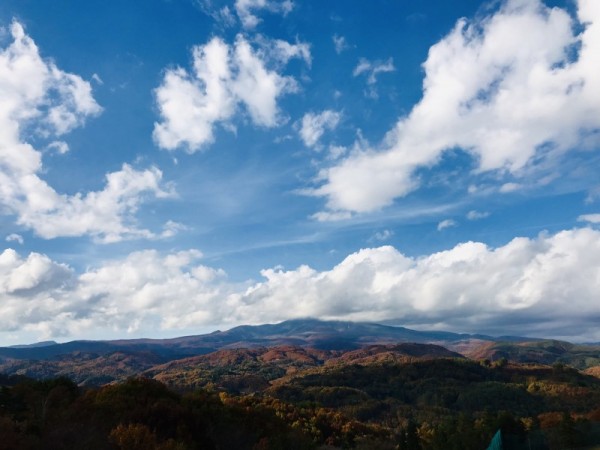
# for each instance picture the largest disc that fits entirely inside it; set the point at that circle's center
(196, 164)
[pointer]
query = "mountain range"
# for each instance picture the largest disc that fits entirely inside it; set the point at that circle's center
(300, 332)
(260, 354)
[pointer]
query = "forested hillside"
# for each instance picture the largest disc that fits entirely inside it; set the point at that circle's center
(269, 351)
(420, 403)
(301, 384)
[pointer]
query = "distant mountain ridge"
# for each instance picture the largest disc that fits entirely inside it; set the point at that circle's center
(329, 335)
(252, 356)
(36, 344)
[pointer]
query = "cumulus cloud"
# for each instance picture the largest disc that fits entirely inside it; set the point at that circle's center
(33, 88)
(223, 78)
(543, 286)
(172, 291)
(257, 87)
(246, 9)
(448, 223)
(38, 99)
(314, 126)
(32, 289)
(591, 218)
(106, 215)
(59, 147)
(14, 237)
(143, 290)
(514, 89)
(282, 51)
(191, 103)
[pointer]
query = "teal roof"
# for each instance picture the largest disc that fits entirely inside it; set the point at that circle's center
(496, 443)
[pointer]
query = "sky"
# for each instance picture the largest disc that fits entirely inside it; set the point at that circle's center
(183, 166)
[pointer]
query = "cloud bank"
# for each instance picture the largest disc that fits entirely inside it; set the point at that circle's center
(546, 286)
(516, 89)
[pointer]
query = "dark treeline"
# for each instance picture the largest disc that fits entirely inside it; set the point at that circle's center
(139, 414)
(437, 404)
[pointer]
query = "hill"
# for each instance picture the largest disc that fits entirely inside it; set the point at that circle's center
(543, 352)
(250, 357)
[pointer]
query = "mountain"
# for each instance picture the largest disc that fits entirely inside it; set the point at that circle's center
(326, 335)
(253, 356)
(269, 350)
(334, 384)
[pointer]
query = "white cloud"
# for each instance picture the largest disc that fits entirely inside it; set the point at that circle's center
(106, 215)
(37, 272)
(591, 218)
(223, 78)
(32, 88)
(172, 228)
(509, 187)
(381, 236)
(448, 223)
(515, 89)
(314, 125)
(545, 286)
(171, 291)
(331, 216)
(476, 215)
(223, 15)
(14, 237)
(60, 147)
(373, 68)
(37, 97)
(191, 103)
(339, 43)
(30, 289)
(336, 151)
(245, 10)
(283, 51)
(257, 87)
(143, 291)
